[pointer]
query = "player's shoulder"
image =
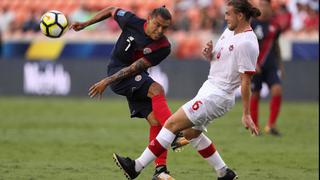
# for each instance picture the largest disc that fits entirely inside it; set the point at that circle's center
(248, 41)
(119, 12)
(123, 13)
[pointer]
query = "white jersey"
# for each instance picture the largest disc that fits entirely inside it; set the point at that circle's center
(232, 55)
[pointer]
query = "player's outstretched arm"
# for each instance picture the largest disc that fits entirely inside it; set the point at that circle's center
(100, 16)
(245, 95)
(134, 68)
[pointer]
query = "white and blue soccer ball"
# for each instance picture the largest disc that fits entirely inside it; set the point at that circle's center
(53, 24)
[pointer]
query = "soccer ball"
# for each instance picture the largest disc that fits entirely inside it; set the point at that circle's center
(53, 24)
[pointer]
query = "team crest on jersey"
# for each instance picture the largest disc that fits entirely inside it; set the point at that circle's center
(138, 78)
(121, 12)
(219, 53)
(231, 47)
(272, 28)
(147, 51)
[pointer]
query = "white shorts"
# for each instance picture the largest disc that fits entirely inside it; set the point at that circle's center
(209, 104)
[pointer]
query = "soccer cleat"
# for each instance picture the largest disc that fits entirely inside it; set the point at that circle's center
(127, 165)
(178, 142)
(161, 173)
(230, 175)
(272, 131)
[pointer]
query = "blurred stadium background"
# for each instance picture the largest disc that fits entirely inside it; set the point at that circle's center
(28, 57)
(43, 81)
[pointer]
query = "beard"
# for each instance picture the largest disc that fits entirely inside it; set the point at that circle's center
(231, 27)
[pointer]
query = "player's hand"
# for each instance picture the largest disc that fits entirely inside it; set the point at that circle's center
(207, 51)
(78, 26)
(249, 124)
(98, 88)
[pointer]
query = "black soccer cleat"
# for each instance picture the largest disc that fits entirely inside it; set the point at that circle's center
(230, 175)
(178, 142)
(162, 173)
(272, 131)
(127, 165)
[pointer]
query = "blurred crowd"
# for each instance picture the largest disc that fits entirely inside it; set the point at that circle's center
(194, 21)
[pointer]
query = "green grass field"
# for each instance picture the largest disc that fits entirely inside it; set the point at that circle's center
(47, 138)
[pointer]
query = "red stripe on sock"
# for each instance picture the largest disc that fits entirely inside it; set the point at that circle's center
(275, 104)
(160, 108)
(162, 159)
(254, 109)
(156, 148)
(208, 151)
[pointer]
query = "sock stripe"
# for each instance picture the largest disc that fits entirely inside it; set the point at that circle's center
(208, 151)
(156, 148)
(162, 159)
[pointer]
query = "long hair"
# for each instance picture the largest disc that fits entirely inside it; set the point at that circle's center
(245, 7)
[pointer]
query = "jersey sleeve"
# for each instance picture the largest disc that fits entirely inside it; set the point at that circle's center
(123, 17)
(247, 55)
(156, 57)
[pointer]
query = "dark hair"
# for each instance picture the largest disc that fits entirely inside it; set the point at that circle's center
(243, 6)
(163, 12)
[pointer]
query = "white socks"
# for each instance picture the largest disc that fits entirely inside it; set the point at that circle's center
(206, 149)
(162, 142)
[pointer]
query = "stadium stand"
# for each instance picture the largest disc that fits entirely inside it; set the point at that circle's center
(194, 20)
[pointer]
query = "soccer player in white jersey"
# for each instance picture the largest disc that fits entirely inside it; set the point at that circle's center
(233, 61)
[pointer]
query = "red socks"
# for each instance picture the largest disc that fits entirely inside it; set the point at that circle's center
(275, 104)
(154, 131)
(160, 108)
(161, 112)
(254, 109)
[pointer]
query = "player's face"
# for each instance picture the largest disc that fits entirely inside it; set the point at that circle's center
(156, 27)
(232, 18)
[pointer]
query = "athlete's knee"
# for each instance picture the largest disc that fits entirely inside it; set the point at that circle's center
(152, 120)
(172, 125)
(155, 89)
(276, 90)
(178, 122)
(256, 94)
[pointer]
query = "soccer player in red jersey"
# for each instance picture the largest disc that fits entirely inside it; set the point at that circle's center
(268, 29)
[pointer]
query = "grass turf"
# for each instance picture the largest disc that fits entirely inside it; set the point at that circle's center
(62, 138)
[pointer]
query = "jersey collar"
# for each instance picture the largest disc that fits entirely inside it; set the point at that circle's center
(145, 26)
